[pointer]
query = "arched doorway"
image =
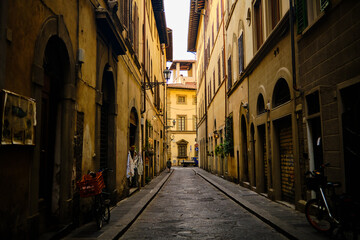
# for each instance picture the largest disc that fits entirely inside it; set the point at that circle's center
(53, 116)
(107, 125)
(244, 150)
(283, 145)
(53, 87)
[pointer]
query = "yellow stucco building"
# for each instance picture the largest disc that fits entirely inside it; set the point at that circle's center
(93, 69)
(247, 124)
(181, 115)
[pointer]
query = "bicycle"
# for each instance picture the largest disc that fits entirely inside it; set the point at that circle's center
(328, 212)
(91, 185)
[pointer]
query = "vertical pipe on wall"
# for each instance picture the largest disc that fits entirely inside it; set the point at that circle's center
(291, 21)
(3, 29)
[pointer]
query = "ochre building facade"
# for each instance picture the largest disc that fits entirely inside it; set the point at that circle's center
(271, 101)
(78, 81)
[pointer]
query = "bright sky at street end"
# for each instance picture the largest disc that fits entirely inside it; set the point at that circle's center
(177, 18)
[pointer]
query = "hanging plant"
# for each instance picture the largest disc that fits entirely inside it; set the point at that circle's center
(149, 150)
(220, 151)
(229, 142)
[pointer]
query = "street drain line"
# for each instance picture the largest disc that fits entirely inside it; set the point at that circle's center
(123, 231)
(265, 220)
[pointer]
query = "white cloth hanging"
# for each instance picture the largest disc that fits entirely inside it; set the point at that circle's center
(140, 165)
(130, 166)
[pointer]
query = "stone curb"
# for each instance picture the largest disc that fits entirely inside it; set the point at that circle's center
(117, 227)
(265, 216)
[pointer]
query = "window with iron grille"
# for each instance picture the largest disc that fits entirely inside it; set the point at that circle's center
(182, 150)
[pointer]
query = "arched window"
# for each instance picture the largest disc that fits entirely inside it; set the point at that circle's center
(260, 104)
(281, 93)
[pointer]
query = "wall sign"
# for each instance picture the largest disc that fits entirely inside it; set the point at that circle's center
(18, 119)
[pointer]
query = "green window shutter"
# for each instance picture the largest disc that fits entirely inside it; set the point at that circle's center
(301, 15)
(324, 4)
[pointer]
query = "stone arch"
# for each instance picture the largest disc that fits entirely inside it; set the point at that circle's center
(281, 93)
(282, 73)
(260, 104)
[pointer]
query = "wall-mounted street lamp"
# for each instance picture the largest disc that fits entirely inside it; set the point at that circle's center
(173, 122)
(167, 74)
(216, 134)
(150, 85)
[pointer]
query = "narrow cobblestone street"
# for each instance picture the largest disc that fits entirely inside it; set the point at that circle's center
(188, 207)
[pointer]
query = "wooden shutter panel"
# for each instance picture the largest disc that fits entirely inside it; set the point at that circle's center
(301, 15)
(229, 73)
(241, 54)
(324, 4)
(223, 63)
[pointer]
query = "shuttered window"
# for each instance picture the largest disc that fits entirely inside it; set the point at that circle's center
(241, 54)
(229, 74)
(131, 23)
(181, 123)
(219, 72)
(275, 12)
(258, 24)
(223, 63)
(301, 15)
(324, 4)
(214, 82)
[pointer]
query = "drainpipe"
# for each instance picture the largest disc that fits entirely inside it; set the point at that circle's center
(206, 106)
(143, 111)
(3, 46)
(291, 21)
(224, 57)
(144, 70)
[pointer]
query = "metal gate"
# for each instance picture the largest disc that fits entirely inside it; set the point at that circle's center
(286, 161)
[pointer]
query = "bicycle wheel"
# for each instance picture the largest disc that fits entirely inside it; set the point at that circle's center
(317, 215)
(106, 213)
(98, 213)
